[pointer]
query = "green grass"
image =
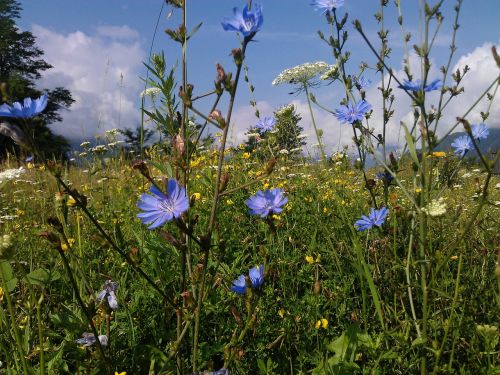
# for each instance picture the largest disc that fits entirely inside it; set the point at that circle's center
(357, 281)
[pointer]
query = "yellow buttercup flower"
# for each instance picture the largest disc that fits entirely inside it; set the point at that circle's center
(324, 323)
(281, 313)
(309, 259)
(71, 201)
(318, 324)
(120, 373)
(438, 154)
(71, 242)
(197, 196)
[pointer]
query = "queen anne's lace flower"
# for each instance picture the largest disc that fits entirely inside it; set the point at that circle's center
(152, 92)
(436, 207)
(301, 73)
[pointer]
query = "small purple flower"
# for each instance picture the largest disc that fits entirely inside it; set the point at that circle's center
(88, 339)
(246, 22)
(417, 85)
(159, 207)
(257, 276)
(480, 131)
(265, 202)
(362, 83)
(266, 124)
(461, 145)
(109, 289)
(239, 285)
(29, 108)
(351, 113)
(376, 217)
(327, 5)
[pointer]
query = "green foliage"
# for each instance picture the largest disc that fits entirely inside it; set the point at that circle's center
(21, 64)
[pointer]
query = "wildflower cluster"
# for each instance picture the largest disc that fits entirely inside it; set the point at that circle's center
(11, 174)
(302, 73)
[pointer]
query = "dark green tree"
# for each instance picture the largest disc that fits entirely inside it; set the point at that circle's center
(21, 64)
(285, 137)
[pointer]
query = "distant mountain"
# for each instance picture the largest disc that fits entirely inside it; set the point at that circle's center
(487, 146)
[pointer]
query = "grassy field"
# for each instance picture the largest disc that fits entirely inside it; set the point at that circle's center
(334, 300)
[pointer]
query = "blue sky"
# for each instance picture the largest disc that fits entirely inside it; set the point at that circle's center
(92, 43)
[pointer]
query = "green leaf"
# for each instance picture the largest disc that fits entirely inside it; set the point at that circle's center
(411, 145)
(194, 30)
(41, 276)
(164, 168)
(6, 271)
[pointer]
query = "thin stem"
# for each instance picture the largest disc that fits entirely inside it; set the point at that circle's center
(85, 309)
(17, 337)
(323, 155)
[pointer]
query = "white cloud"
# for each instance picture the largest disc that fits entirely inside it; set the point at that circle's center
(102, 73)
(482, 72)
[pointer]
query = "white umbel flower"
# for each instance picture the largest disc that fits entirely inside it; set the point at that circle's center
(436, 207)
(11, 174)
(301, 73)
(152, 92)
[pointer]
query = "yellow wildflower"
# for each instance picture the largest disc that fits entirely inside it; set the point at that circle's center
(71, 201)
(322, 323)
(438, 154)
(309, 259)
(246, 155)
(266, 185)
(281, 313)
(30, 165)
(196, 196)
(454, 257)
(120, 373)
(1, 294)
(418, 190)
(64, 246)
(229, 202)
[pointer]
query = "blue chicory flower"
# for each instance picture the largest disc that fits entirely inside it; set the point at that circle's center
(239, 285)
(461, 145)
(257, 276)
(29, 108)
(417, 85)
(266, 124)
(109, 289)
(88, 339)
(327, 5)
(159, 207)
(480, 131)
(384, 176)
(362, 83)
(351, 113)
(265, 202)
(376, 217)
(247, 22)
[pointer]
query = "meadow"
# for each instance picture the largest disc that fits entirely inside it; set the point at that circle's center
(193, 256)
